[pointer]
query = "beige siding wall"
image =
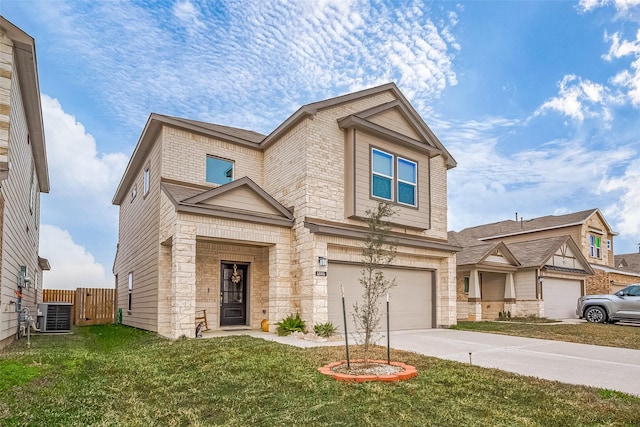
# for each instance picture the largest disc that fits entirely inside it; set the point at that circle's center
(394, 120)
(413, 217)
(243, 198)
(185, 154)
(525, 284)
(139, 248)
(21, 224)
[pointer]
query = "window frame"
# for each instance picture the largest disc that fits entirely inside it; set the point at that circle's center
(146, 180)
(130, 291)
(206, 171)
(394, 178)
(595, 246)
(375, 173)
(465, 286)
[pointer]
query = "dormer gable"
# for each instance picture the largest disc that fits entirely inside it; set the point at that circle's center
(241, 199)
(396, 121)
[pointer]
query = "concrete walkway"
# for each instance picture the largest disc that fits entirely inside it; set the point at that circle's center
(591, 365)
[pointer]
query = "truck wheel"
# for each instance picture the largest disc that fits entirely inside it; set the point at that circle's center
(595, 315)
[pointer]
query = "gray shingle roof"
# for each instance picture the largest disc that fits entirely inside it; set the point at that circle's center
(533, 253)
(630, 262)
(247, 135)
(510, 227)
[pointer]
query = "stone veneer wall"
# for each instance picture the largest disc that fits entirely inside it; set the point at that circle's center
(209, 256)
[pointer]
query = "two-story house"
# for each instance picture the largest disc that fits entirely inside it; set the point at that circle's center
(539, 266)
(249, 227)
(23, 176)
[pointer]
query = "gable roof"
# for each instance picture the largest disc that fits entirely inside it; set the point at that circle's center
(478, 254)
(258, 141)
(195, 200)
(549, 222)
(24, 53)
(628, 262)
(526, 254)
(428, 141)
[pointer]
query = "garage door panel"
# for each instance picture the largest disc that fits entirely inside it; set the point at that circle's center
(560, 298)
(411, 301)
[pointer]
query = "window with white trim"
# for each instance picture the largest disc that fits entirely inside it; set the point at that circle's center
(394, 178)
(595, 246)
(608, 244)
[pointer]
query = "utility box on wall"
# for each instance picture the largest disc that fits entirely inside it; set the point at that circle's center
(55, 317)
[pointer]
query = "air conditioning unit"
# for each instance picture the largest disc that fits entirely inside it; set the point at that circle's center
(55, 316)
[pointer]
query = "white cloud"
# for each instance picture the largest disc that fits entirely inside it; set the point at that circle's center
(256, 56)
(189, 15)
(619, 5)
(76, 168)
(556, 177)
(579, 99)
(71, 265)
(626, 212)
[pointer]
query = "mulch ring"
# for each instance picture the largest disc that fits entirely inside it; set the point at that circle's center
(375, 370)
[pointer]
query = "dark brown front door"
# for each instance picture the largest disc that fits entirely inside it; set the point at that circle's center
(233, 294)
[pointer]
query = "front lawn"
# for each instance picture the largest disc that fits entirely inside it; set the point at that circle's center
(118, 376)
(585, 333)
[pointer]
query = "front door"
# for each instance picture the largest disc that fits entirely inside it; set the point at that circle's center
(233, 294)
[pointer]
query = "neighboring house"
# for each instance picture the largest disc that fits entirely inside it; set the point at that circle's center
(251, 227)
(535, 267)
(629, 263)
(23, 176)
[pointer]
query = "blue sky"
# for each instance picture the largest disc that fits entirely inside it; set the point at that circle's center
(538, 101)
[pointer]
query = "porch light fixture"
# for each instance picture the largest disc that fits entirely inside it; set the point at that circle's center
(322, 261)
(540, 279)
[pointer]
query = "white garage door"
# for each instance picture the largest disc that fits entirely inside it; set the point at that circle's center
(560, 298)
(411, 300)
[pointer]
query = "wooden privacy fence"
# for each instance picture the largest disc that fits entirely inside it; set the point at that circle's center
(91, 306)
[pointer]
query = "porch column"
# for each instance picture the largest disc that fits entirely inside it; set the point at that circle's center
(183, 281)
(280, 286)
(475, 304)
(509, 294)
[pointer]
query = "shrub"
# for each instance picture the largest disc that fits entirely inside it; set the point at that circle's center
(291, 323)
(325, 330)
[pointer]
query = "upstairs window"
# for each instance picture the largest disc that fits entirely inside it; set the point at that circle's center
(382, 175)
(393, 178)
(219, 171)
(407, 181)
(594, 246)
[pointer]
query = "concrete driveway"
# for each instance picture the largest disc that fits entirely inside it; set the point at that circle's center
(591, 365)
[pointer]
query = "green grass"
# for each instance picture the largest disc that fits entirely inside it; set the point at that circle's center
(585, 333)
(118, 376)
